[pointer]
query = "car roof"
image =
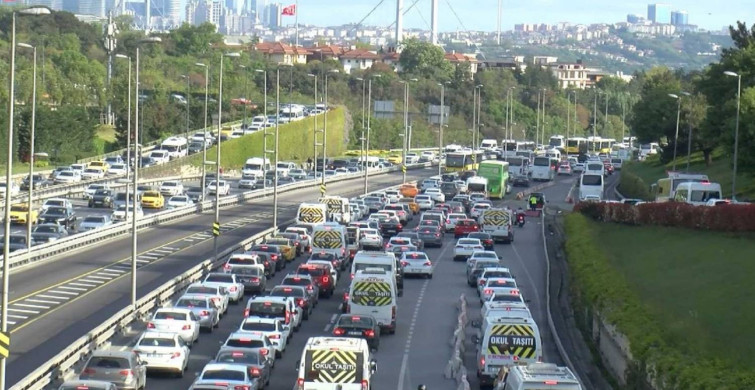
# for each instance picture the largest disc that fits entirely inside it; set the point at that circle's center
(112, 353)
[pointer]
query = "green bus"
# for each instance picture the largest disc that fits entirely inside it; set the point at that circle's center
(497, 173)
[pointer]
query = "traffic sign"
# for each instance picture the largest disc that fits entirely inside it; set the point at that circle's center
(322, 189)
(4, 344)
(403, 168)
(216, 228)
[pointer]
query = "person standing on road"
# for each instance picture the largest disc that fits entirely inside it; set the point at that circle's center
(533, 202)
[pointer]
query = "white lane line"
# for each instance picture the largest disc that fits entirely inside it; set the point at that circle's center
(148, 257)
(42, 301)
(82, 284)
(64, 292)
(73, 288)
(143, 261)
(52, 297)
(111, 274)
(11, 322)
(407, 349)
(23, 311)
(98, 276)
(163, 251)
(170, 248)
(32, 306)
(92, 281)
(332, 322)
(15, 316)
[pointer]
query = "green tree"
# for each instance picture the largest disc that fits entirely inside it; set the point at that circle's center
(419, 58)
(193, 40)
(654, 116)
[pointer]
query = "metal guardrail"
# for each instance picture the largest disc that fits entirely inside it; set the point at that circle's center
(61, 364)
(44, 251)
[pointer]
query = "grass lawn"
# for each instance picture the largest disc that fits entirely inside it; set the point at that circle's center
(719, 171)
(698, 285)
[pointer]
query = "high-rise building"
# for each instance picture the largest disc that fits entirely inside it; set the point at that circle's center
(209, 11)
(632, 18)
(53, 4)
(659, 13)
(168, 10)
(70, 6)
(92, 7)
(679, 18)
(191, 11)
(273, 18)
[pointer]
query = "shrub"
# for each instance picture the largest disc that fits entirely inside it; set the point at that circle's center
(632, 186)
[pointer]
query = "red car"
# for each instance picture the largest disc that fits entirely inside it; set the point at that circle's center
(609, 167)
(465, 226)
(321, 275)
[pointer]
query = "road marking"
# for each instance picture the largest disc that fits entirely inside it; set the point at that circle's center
(43, 301)
(64, 292)
(170, 248)
(332, 322)
(23, 311)
(32, 306)
(15, 316)
(99, 277)
(148, 257)
(82, 284)
(53, 297)
(92, 281)
(73, 288)
(140, 261)
(114, 270)
(163, 251)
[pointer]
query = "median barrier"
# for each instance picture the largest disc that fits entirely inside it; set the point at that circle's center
(61, 365)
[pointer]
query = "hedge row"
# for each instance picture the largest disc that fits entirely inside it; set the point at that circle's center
(632, 186)
(600, 286)
(724, 218)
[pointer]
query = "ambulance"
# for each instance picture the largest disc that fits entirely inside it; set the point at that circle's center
(507, 339)
(335, 363)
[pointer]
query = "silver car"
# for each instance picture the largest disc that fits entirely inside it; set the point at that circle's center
(95, 222)
(176, 320)
(229, 282)
(203, 307)
(88, 385)
(123, 368)
(218, 294)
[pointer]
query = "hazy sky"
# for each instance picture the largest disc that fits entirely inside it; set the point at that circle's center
(481, 14)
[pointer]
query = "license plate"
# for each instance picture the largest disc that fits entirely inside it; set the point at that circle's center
(354, 333)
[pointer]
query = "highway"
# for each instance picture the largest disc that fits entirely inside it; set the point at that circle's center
(419, 351)
(56, 299)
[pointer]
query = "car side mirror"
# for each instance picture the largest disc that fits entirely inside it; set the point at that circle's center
(296, 365)
(373, 366)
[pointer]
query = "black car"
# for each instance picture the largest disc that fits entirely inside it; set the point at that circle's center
(359, 326)
(17, 242)
(194, 193)
(258, 365)
(275, 254)
(59, 215)
(40, 181)
(431, 235)
(252, 278)
(485, 238)
(464, 200)
(102, 198)
(299, 294)
(449, 189)
(196, 147)
(47, 232)
(332, 258)
(285, 180)
(147, 162)
(306, 281)
(414, 238)
(390, 226)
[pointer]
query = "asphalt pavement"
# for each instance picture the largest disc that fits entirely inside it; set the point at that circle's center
(54, 304)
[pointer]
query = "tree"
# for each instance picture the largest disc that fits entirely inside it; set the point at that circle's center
(424, 59)
(193, 40)
(654, 116)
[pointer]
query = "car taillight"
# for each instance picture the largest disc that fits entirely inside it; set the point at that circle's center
(246, 312)
(267, 263)
(365, 384)
(369, 333)
(310, 288)
(255, 372)
(125, 373)
(352, 276)
(264, 351)
(400, 226)
(427, 263)
(393, 312)
(345, 296)
(89, 371)
(338, 331)
(300, 302)
(254, 279)
(175, 355)
(274, 257)
(204, 313)
(233, 289)
(482, 282)
(227, 267)
(296, 243)
(288, 317)
(300, 383)
(274, 336)
(343, 251)
(488, 291)
(404, 263)
(325, 279)
(150, 325)
(437, 234)
(242, 387)
(448, 221)
(482, 361)
(186, 327)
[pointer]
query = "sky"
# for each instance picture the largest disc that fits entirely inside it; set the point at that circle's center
(481, 14)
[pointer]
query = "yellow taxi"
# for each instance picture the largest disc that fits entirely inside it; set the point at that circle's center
(20, 212)
(226, 132)
(152, 200)
(99, 165)
(395, 158)
(408, 190)
(412, 204)
(286, 246)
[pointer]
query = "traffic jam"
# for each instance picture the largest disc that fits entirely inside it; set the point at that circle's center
(359, 252)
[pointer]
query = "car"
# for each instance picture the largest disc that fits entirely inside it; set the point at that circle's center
(236, 375)
(217, 294)
(360, 326)
(564, 168)
(492, 272)
(17, 242)
(305, 281)
(20, 214)
(578, 168)
(171, 188)
(431, 235)
(182, 322)
(111, 365)
(153, 200)
(253, 340)
(465, 247)
(427, 156)
(257, 365)
(285, 245)
(408, 190)
(177, 201)
(300, 295)
(388, 225)
(87, 385)
(121, 213)
(274, 253)
(205, 310)
(228, 281)
(321, 275)
(92, 189)
(417, 263)
(91, 222)
(195, 193)
(117, 169)
(413, 206)
(278, 333)
(251, 276)
(92, 174)
(429, 183)
(163, 351)
(478, 267)
(477, 209)
(293, 238)
(415, 239)
(220, 187)
(393, 195)
(494, 286)
(465, 226)
(485, 238)
(305, 239)
(297, 174)
(39, 182)
(450, 223)
(371, 239)
(48, 232)
(147, 161)
(435, 194)
(424, 202)
(402, 212)
(63, 177)
(101, 165)
(399, 249)
(102, 198)
(247, 183)
(59, 215)
(397, 241)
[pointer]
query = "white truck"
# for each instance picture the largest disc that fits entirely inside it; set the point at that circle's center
(255, 168)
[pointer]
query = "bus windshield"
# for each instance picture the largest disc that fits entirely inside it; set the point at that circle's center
(541, 161)
(456, 160)
(592, 180)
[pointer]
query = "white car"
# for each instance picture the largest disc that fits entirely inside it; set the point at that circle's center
(176, 320)
(231, 376)
(393, 195)
(273, 328)
(450, 222)
(118, 169)
(122, 214)
(249, 183)
(371, 239)
(92, 188)
(160, 156)
(397, 241)
(424, 202)
(163, 351)
(341, 171)
(461, 185)
(171, 188)
(435, 194)
(494, 286)
(55, 202)
(92, 174)
(234, 287)
(578, 168)
(221, 189)
(491, 273)
(67, 177)
(427, 156)
(304, 238)
(477, 210)
(217, 294)
(465, 247)
(412, 158)
(417, 263)
(179, 201)
(78, 168)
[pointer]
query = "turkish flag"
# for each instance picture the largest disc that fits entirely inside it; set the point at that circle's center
(289, 11)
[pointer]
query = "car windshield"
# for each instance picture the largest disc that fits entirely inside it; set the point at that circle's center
(287, 292)
(56, 210)
(265, 309)
(259, 326)
(94, 219)
(192, 302)
(352, 321)
(170, 315)
(219, 278)
(45, 229)
(417, 256)
(19, 208)
(157, 342)
(245, 357)
(469, 242)
(229, 375)
(506, 298)
(108, 362)
(205, 290)
(296, 281)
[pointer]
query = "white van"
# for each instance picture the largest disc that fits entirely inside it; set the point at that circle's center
(283, 167)
(373, 292)
(330, 237)
(543, 168)
(648, 149)
(498, 223)
(160, 156)
(488, 144)
(534, 376)
(255, 167)
(477, 184)
(507, 339)
(591, 187)
(374, 259)
(338, 208)
(553, 153)
(312, 214)
(331, 363)
(291, 113)
(595, 167)
(176, 146)
(697, 194)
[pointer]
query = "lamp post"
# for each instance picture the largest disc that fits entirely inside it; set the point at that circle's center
(507, 129)
(217, 156)
(595, 120)
(440, 123)
(277, 124)
(537, 119)
(8, 175)
(479, 105)
(406, 127)
(314, 129)
(204, 131)
(367, 141)
(188, 94)
(542, 131)
(361, 138)
(736, 135)
(678, 115)
(31, 144)
(128, 126)
(325, 132)
(264, 129)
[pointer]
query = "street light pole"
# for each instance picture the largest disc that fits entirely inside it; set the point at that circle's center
(246, 94)
(678, 115)
(31, 145)
(277, 132)
(314, 130)
(204, 131)
(594, 119)
(537, 120)
(264, 129)
(474, 115)
(440, 123)
(188, 94)
(325, 132)
(736, 135)
(479, 110)
(128, 126)
(365, 164)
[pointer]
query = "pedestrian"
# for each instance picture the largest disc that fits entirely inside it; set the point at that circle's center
(309, 163)
(533, 202)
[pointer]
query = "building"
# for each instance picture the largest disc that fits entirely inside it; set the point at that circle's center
(281, 53)
(360, 59)
(322, 53)
(273, 17)
(679, 18)
(191, 11)
(512, 63)
(457, 58)
(167, 10)
(571, 75)
(659, 13)
(209, 11)
(93, 7)
(635, 19)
